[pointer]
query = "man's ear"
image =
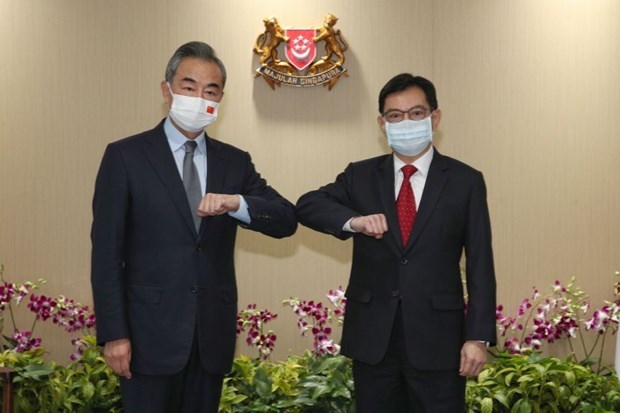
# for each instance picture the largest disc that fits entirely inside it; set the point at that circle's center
(381, 123)
(165, 91)
(436, 118)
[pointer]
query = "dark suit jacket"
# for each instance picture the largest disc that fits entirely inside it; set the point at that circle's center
(155, 280)
(426, 277)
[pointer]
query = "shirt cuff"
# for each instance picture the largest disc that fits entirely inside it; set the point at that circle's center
(242, 214)
(347, 226)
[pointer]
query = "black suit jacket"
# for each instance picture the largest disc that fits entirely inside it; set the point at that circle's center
(425, 275)
(154, 279)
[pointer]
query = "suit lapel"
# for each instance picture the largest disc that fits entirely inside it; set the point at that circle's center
(386, 190)
(435, 183)
(158, 153)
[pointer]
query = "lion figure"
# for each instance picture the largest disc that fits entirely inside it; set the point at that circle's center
(334, 42)
(267, 42)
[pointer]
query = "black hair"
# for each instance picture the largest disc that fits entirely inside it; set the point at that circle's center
(405, 81)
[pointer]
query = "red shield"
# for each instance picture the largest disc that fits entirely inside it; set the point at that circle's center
(300, 48)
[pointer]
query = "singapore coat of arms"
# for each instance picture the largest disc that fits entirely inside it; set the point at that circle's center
(301, 67)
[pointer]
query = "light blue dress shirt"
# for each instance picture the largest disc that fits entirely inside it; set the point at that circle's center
(176, 140)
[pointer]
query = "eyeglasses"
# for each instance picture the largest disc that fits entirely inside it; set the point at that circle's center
(415, 113)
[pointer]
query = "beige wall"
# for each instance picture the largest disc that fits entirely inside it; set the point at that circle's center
(529, 90)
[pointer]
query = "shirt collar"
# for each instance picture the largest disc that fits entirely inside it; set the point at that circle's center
(176, 139)
(423, 163)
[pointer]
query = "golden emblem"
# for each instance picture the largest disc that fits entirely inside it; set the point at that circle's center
(300, 48)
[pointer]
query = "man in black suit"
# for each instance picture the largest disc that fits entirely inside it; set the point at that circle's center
(411, 336)
(166, 208)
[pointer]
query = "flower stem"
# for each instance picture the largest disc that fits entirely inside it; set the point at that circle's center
(12, 316)
(572, 350)
(600, 356)
(583, 342)
(598, 336)
(34, 323)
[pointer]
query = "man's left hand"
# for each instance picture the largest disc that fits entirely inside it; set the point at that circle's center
(473, 358)
(218, 204)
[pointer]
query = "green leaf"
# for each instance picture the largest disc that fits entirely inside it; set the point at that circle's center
(88, 390)
(36, 371)
(525, 379)
(487, 405)
(570, 377)
(319, 390)
(262, 383)
(502, 399)
(522, 406)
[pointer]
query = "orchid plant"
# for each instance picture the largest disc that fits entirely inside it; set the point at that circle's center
(562, 313)
(318, 319)
(311, 316)
(64, 312)
(253, 321)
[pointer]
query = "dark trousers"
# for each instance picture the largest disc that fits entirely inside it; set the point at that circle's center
(395, 386)
(192, 390)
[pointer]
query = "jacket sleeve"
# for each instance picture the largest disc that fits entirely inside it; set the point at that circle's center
(110, 205)
(328, 208)
(480, 273)
(270, 213)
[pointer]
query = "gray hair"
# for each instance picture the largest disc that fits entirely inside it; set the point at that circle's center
(199, 50)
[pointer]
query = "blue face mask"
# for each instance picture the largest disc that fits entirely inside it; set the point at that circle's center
(409, 137)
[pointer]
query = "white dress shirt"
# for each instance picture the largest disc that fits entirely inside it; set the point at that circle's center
(418, 179)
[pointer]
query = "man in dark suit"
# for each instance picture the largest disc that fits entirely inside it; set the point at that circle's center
(412, 338)
(166, 208)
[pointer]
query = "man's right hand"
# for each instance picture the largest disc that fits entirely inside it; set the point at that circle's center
(117, 354)
(371, 225)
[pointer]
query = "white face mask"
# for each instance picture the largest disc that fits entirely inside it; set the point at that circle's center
(192, 114)
(409, 137)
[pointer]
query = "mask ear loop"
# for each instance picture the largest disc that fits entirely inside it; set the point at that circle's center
(171, 94)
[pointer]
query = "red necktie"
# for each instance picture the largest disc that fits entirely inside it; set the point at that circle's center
(405, 204)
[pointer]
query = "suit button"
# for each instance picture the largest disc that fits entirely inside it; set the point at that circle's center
(198, 248)
(404, 261)
(396, 293)
(194, 290)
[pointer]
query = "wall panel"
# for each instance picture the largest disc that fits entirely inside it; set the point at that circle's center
(529, 91)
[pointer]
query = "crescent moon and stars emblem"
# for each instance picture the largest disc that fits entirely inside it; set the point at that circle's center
(300, 48)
